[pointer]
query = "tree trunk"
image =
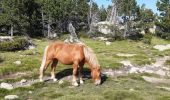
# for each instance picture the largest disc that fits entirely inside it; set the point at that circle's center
(49, 28)
(42, 15)
(90, 14)
(125, 31)
(11, 31)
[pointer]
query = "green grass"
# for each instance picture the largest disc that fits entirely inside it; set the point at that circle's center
(131, 87)
(123, 88)
(31, 59)
(167, 62)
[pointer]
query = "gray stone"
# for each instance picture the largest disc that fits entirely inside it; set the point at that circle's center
(23, 81)
(11, 97)
(125, 55)
(31, 47)
(61, 82)
(101, 38)
(6, 38)
(6, 86)
(162, 47)
(131, 89)
(164, 88)
(108, 43)
(134, 70)
(30, 92)
(156, 80)
(161, 72)
(126, 63)
(17, 62)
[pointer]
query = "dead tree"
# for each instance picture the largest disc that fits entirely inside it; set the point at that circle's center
(73, 36)
(112, 15)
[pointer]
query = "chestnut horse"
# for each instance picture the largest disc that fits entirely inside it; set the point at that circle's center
(76, 54)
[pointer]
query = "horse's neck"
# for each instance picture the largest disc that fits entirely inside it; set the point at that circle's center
(91, 66)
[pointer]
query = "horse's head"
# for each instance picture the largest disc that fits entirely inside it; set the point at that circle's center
(96, 75)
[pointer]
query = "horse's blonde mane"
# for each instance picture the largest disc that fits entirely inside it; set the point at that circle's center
(90, 57)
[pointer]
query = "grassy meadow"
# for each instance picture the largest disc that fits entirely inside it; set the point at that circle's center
(131, 87)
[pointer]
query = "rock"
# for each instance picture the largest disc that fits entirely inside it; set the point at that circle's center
(131, 90)
(146, 69)
(104, 27)
(17, 62)
(61, 82)
(156, 80)
(11, 97)
(30, 47)
(6, 38)
(162, 47)
(23, 81)
(134, 70)
(71, 87)
(108, 71)
(161, 72)
(164, 88)
(165, 68)
(126, 63)
(6, 86)
(108, 43)
(30, 92)
(102, 38)
(125, 55)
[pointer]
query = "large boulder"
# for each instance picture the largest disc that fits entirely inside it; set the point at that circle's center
(162, 47)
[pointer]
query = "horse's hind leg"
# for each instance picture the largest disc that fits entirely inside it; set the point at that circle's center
(53, 67)
(74, 81)
(43, 68)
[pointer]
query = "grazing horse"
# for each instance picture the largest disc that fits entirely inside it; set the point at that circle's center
(76, 54)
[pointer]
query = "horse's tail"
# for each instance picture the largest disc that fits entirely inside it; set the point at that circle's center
(44, 59)
(90, 57)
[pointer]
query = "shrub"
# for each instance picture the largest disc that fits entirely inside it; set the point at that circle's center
(3, 34)
(147, 38)
(162, 34)
(135, 35)
(16, 44)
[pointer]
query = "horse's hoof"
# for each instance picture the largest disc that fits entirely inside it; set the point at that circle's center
(81, 82)
(41, 80)
(54, 79)
(75, 84)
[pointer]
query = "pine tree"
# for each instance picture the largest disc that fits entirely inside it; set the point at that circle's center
(163, 21)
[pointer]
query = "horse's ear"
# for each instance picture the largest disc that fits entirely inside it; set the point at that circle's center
(99, 68)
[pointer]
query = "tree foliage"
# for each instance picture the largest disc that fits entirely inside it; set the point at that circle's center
(163, 21)
(26, 15)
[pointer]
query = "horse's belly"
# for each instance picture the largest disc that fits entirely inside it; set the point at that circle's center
(67, 62)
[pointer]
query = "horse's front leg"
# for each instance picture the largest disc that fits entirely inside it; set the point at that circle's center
(74, 81)
(81, 72)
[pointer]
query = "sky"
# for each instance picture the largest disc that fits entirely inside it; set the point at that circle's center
(151, 4)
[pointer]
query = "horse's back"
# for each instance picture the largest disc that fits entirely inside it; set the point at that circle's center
(67, 53)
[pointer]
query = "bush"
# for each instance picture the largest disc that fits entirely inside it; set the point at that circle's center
(4, 34)
(96, 34)
(147, 38)
(163, 35)
(16, 44)
(135, 35)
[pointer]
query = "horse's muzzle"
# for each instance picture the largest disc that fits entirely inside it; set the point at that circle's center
(97, 82)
